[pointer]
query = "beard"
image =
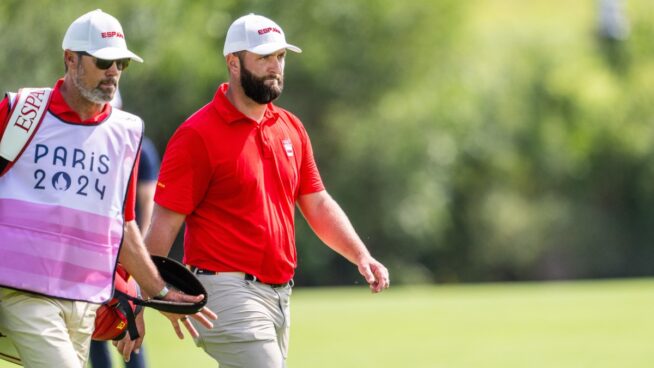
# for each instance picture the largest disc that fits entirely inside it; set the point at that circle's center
(256, 89)
(94, 94)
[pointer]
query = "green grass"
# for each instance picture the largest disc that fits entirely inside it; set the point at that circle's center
(581, 324)
(573, 324)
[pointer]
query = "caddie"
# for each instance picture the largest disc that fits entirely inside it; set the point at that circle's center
(67, 197)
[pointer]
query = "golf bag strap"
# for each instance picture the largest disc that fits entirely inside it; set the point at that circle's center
(25, 117)
(124, 307)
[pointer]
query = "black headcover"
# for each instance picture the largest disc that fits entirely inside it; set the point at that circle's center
(177, 277)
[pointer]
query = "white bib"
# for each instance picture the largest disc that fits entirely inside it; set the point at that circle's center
(61, 207)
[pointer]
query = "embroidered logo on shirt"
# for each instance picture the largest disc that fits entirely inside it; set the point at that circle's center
(288, 147)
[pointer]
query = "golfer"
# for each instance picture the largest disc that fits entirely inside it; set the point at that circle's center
(234, 172)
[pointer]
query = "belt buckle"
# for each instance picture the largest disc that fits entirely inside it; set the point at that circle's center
(199, 271)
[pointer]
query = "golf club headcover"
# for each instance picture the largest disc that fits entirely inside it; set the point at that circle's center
(178, 277)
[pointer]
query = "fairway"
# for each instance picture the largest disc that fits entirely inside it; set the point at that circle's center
(577, 324)
(569, 324)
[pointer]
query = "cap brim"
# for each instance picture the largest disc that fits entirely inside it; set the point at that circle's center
(269, 48)
(114, 53)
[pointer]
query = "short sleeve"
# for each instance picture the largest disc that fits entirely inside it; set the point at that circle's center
(310, 180)
(4, 114)
(185, 172)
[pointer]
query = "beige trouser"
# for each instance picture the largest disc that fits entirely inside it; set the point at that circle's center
(47, 332)
(252, 330)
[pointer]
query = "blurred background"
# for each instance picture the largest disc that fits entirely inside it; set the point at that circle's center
(468, 141)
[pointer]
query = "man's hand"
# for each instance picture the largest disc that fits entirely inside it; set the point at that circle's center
(375, 273)
(126, 345)
(332, 226)
(204, 316)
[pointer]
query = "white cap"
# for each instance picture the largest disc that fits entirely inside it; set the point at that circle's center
(100, 35)
(256, 34)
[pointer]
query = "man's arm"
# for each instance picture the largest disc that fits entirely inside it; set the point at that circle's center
(332, 226)
(163, 230)
(136, 260)
(159, 239)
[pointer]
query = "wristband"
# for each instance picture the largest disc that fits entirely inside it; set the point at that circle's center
(162, 294)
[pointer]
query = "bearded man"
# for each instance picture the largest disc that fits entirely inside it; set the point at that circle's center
(233, 172)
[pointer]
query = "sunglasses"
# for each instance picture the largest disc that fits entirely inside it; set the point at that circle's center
(103, 64)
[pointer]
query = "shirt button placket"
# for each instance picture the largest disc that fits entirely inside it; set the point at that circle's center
(265, 143)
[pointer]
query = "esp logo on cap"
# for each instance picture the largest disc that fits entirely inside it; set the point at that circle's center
(263, 31)
(112, 34)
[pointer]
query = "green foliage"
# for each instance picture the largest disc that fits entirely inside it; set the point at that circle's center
(565, 160)
(481, 140)
(522, 152)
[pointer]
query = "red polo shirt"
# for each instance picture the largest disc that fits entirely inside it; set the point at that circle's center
(61, 110)
(237, 181)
